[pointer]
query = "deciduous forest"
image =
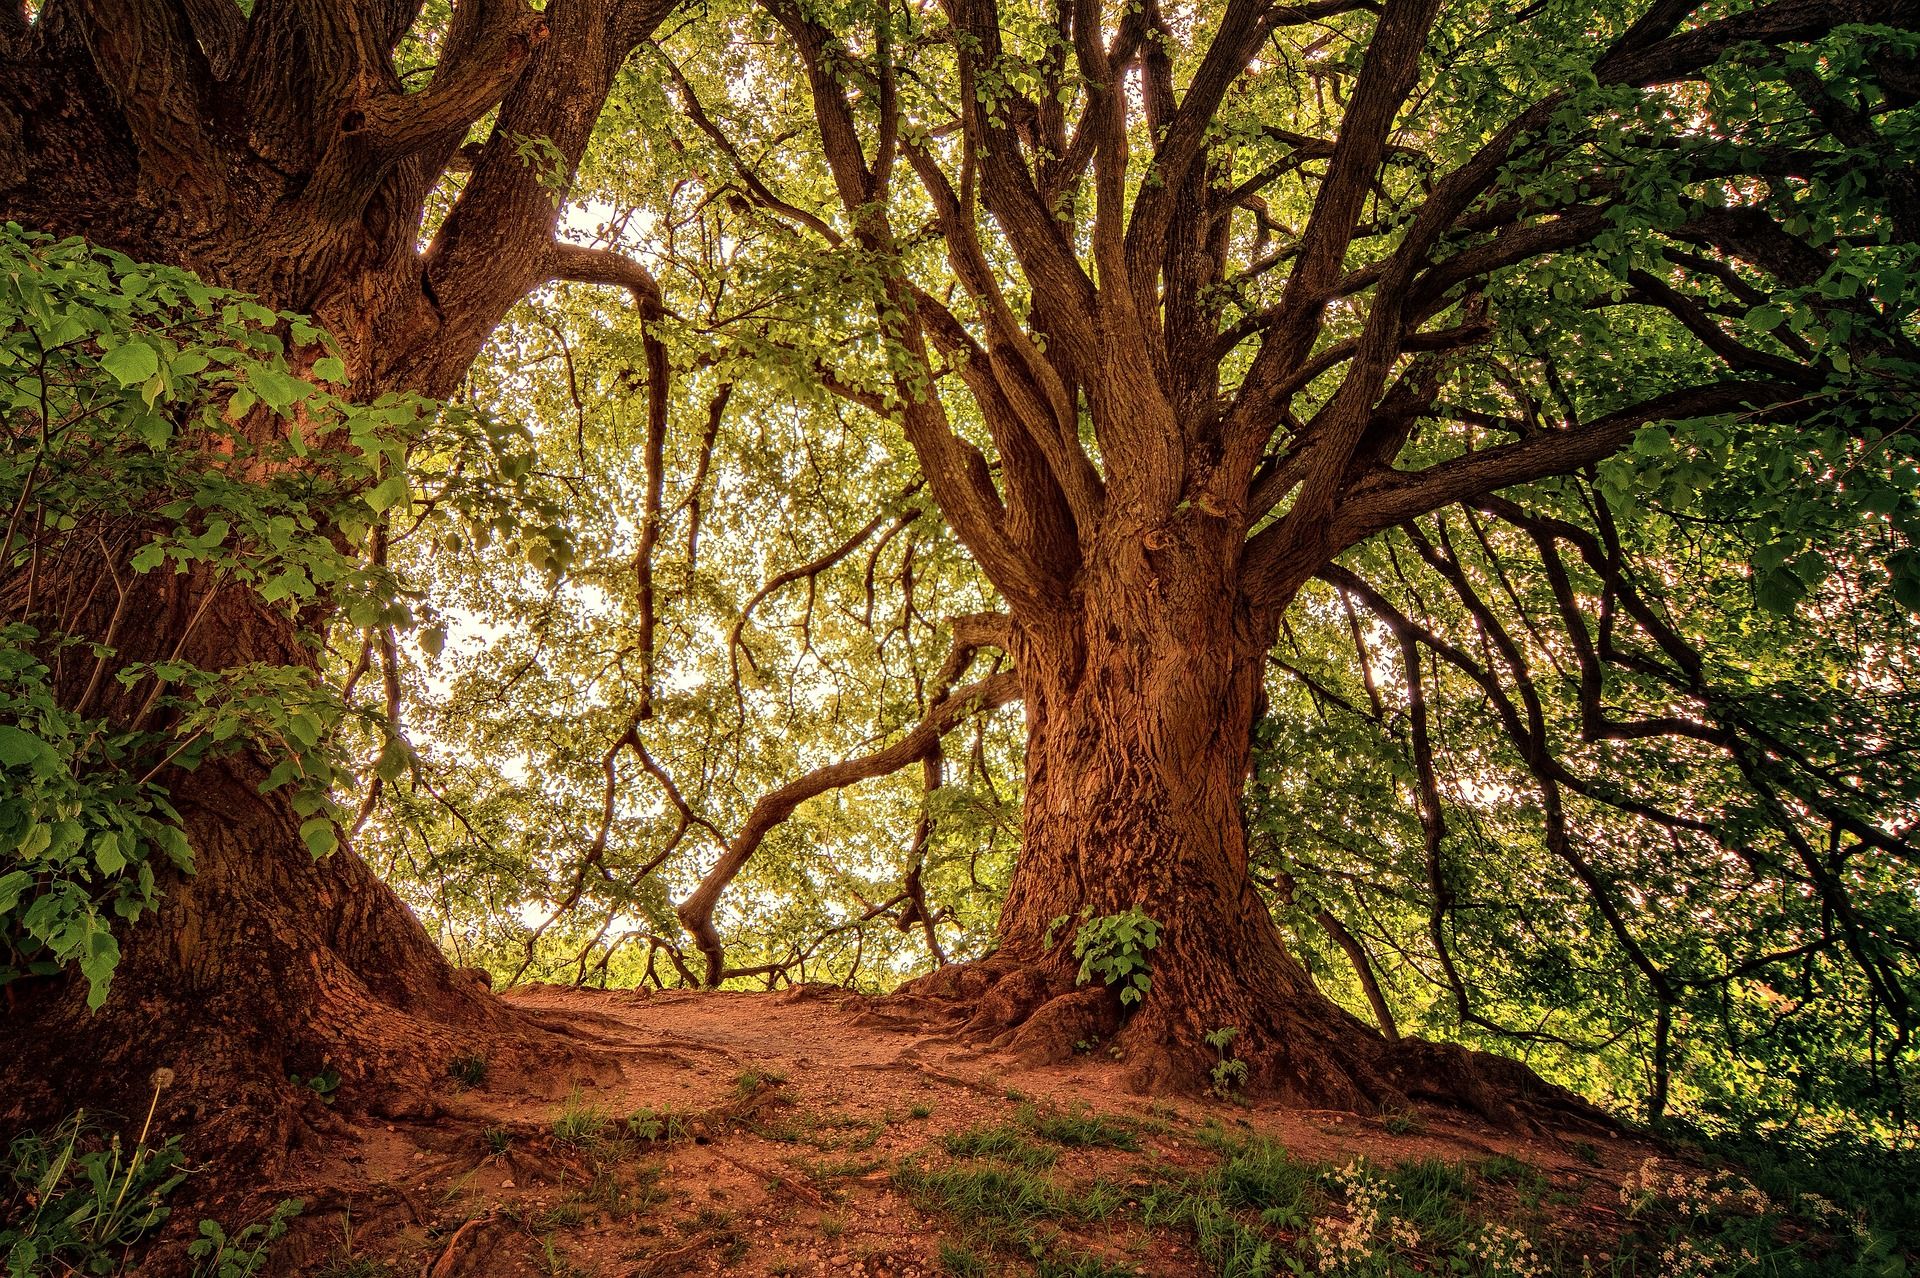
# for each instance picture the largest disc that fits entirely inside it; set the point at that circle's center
(1295, 623)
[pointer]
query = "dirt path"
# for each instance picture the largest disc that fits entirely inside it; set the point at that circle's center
(808, 1133)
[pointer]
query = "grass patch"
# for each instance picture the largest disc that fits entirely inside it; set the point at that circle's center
(1002, 1144)
(988, 1195)
(1081, 1265)
(658, 1126)
(1080, 1129)
(1433, 1195)
(469, 1070)
(581, 1124)
(752, 1080)
(961, 1261)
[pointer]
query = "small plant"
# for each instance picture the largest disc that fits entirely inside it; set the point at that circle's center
(580, 1123)
(960, 1261)
(921, 1110)
(1113, 948)
(346, 1265)
(1229, 1073)
(242, 1254)
(498, 1140)
(468, 1070)
(1001, 1144)
(1082, 1128)
(1404, 1123)
(76, 1197)
(345, 1262)
(658, 1125)
(323, 1084)
(752, 1080)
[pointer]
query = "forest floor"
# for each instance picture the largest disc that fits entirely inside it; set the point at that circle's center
(808, 1133)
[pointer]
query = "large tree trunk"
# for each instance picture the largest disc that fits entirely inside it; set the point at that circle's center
(1140, 711)
(262, 965)
(277, 151)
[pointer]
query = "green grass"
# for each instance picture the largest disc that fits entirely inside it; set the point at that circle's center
(1013, 1212)
(1433, 1195)
(960, 1261)
(1002, 1144)
(1080, 1128)
(468, 1070)
(752, 1080)
(1255, 1212)
(826, 1170)
(988, 1195)
(75, 1199)
(1081, 1265)
(661, 1126)
(1404, 1123)
(581, 1124)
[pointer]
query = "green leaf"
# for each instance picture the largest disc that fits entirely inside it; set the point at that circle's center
(107, 854)
(320, 836)
(99, 956)
(13, 885)
(277, 389)
(131, 362)
(18, 747)
(388, 492)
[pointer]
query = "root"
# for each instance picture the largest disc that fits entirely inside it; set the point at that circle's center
(1301, 1052)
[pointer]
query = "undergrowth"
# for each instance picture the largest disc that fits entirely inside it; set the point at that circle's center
(78, 1200)
(1259, 1212)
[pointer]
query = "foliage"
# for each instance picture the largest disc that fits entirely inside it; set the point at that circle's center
(132, 398)
(81, 830)
(77, 1200)
(793, 630)
(1113, 949)
(244, 1253)
(1228, 1074)
(468, 1069)
(1612, 764)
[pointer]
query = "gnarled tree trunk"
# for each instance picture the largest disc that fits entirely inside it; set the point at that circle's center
(263, 965)
(1140, 711)
(278, 151)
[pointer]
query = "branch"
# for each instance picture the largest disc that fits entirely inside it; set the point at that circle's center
(1386, 498)
(946, 714)
(581, 264)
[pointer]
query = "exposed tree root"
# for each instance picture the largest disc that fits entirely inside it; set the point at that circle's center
(1301, 1051)
(271, 994)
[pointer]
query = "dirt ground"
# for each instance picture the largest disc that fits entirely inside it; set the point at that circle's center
(763, 1134)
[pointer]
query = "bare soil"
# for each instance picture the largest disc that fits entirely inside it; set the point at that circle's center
(777, 1123)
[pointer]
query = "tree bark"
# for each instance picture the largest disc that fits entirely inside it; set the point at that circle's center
(279, 152)
(1140, 710)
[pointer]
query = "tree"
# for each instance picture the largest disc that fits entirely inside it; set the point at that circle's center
(299, 153)
(1175, 309)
